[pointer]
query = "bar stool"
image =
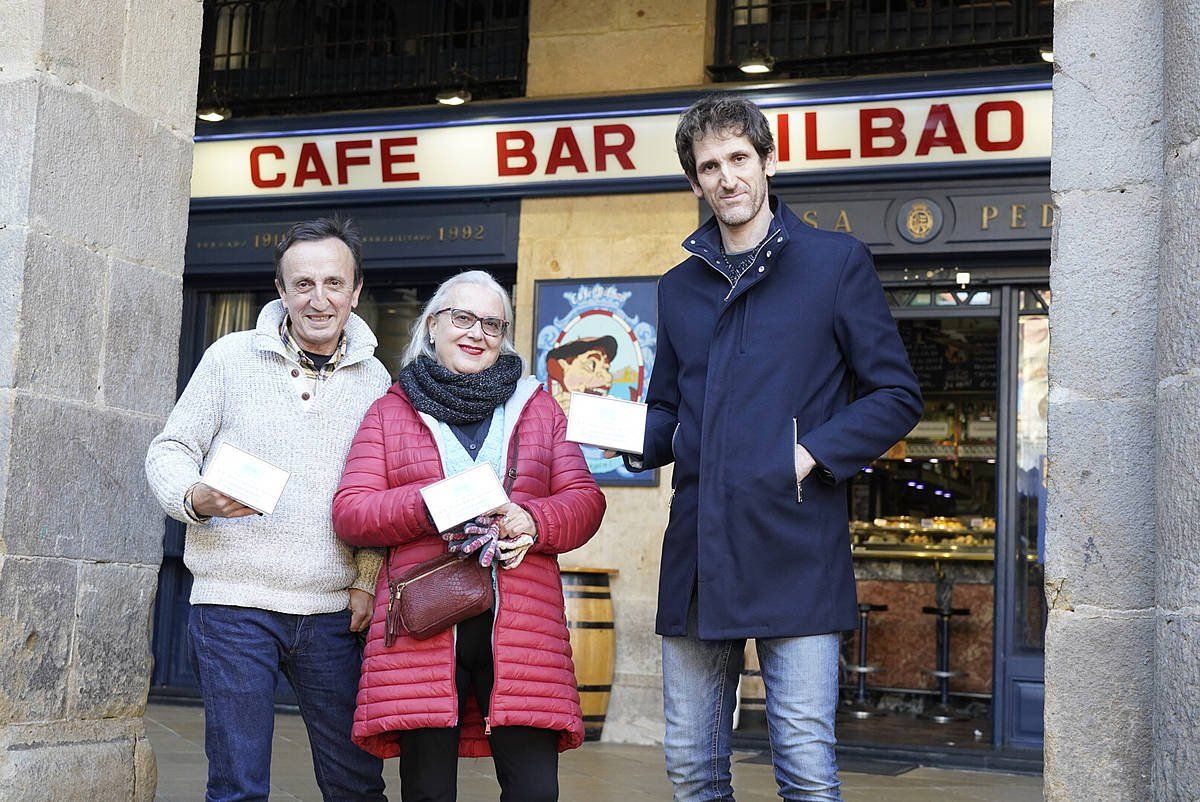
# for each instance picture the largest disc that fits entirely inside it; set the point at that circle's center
(858, 706)
(942, 713)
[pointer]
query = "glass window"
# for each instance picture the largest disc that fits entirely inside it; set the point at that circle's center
(1033, 349)
(936, 488)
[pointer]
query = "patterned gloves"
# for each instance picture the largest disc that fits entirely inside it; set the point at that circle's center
(482, 536)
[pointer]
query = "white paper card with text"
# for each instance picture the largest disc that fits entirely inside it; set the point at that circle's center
(245, 478)
(464, 496)
(598, 420)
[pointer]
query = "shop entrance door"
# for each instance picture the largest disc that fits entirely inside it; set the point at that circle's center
(953, 518)
(1020, 314)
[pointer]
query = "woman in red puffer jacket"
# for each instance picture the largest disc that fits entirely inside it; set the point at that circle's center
(501, 683)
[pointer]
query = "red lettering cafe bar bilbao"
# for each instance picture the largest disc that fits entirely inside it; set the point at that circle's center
(911, 131)
(945, 177)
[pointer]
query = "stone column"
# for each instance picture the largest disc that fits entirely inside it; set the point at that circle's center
(96, 118)
(1107, 179)
(1177, 643)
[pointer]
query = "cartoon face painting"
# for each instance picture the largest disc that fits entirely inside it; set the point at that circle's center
(580, 366)
(597, 338)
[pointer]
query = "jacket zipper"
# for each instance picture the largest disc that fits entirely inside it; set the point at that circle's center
(744, 335)
(795, 442)
(674, 435)
(510, 477)
(454, 651)
(487, 720)
(757, 250)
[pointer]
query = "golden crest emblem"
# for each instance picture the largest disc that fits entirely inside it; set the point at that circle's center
(920, 221)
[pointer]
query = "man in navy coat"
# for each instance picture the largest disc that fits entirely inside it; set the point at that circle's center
(763, 329)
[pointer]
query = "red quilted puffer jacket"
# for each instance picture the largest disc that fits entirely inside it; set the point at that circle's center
(411, 684)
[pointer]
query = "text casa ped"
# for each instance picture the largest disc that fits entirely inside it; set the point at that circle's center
(1015, 216)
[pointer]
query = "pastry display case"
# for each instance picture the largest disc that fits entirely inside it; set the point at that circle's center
(933, 494)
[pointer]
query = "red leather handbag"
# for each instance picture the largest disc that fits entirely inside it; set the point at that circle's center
(435, 595)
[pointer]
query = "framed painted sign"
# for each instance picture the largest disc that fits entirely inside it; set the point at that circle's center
(597, 336)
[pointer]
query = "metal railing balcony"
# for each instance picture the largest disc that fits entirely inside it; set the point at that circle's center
(817, 38)
(302, 56)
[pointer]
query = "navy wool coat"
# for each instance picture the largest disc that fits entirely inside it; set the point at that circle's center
(740, 376)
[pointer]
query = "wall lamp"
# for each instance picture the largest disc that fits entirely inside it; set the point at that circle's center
(213, 114)
(210, 108)
(454, 98)
(757, 61)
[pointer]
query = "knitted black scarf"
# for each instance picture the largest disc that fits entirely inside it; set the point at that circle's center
(459, 398)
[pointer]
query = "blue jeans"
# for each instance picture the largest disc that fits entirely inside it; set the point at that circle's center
(700, 679)
(237, 653)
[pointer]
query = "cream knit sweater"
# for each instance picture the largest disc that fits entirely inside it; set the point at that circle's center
(243, 392)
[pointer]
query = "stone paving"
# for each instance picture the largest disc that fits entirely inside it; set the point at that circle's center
(597, 772)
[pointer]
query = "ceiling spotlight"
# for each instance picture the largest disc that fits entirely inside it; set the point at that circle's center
(213, 114)
(1047, 54)
(454, 98)
(210, 107)
(757, 61)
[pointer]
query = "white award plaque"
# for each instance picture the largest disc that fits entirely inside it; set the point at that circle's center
(245, 478)
(610, 423)
(464, 496)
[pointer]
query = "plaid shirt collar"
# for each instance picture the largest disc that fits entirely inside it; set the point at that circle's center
(297, 354)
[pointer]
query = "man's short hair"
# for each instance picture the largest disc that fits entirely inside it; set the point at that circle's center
(720, 114)
(336, 227)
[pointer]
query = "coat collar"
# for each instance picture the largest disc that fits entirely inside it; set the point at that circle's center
(705, 244)
(360, 340)
(705, 241)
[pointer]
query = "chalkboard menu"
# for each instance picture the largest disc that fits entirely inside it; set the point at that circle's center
(947, 360)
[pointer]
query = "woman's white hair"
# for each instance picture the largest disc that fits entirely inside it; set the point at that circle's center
(419, 344)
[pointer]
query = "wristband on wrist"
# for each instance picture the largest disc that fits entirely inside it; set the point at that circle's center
(190, 509)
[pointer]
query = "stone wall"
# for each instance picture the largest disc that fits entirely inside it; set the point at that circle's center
(96, 117)
(595, 46)
(592, 47)
(1123, 641)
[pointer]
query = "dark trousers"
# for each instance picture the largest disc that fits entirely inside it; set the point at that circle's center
(237, 653)
(526, 758)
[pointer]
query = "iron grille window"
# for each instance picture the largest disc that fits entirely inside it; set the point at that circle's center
(301, 56)
(816, 38)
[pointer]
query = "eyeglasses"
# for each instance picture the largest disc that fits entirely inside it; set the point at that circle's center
(464, 319)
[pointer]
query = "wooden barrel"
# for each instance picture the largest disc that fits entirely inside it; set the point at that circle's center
(752, 697)
(593, 641)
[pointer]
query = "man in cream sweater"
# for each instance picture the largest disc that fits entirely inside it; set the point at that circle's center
(279, 592)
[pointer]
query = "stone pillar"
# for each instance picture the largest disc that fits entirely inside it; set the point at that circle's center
(1107, 180)
(96, 117)
(1177, 642)
(1123, 646)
